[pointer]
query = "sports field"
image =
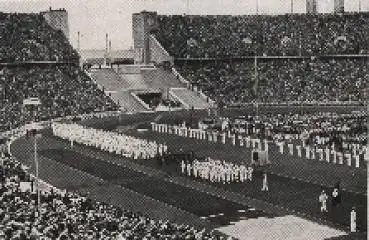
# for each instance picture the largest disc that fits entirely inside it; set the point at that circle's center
(161, 192)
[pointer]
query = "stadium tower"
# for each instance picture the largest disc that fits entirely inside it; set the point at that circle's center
(339, 6)
(57, 19)
(311, 7)
(142, 24)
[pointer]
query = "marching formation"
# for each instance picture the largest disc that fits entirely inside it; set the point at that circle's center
(217, 171)
(112, 142)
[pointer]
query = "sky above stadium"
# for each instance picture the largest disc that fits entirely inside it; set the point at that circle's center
(94, 18)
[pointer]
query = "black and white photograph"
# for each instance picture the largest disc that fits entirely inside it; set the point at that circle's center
(184, 119)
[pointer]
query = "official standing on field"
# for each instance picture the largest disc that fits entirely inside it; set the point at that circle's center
(323, 201)
(265, 183)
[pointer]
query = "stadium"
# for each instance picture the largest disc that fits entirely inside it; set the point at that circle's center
(209, 127)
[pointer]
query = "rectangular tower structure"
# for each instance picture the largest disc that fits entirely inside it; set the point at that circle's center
(339, 6)
(311, 7)
(57, 19)
(142, 25)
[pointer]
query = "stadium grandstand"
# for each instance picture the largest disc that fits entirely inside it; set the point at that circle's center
(269, 59)
(211, 127)
(38, 61)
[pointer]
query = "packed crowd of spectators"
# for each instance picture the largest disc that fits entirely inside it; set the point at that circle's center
(290, 34)
(66, 215)
(28, 37)
(281, 80)
(63, 90)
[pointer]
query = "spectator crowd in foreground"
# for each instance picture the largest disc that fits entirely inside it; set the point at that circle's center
(65, 215)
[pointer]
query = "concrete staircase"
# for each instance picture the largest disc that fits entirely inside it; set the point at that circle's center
(189, 98)
(107, 78)
(118, 88)
(119, 83)
(132, 81)
(127, 101)
(160, 79)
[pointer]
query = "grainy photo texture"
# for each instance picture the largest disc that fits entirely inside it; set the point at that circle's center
(184, 119)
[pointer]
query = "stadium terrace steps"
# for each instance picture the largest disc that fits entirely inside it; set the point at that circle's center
(160, 78)
(189, 98)
(107, 78)
(118, 88)
(148, 79)
(120, 83)
(132, 81)
(127, 101)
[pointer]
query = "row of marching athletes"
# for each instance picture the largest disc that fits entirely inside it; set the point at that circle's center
(217, 171)
(112, 142)
(221, 172)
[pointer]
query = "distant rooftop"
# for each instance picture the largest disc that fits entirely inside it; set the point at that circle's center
(55, 10)
(100, 53)
(96, 56)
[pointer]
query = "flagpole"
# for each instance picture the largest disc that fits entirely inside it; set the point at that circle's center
(291, 6)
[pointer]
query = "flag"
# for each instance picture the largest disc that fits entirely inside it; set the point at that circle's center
(31, 101)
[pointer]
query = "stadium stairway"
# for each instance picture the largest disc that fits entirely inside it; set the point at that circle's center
(107, 78)
(156, 78)
(132, 81)
(189, 98)
(160, 78)
(120, 83)
(125, 99)
(118, 88)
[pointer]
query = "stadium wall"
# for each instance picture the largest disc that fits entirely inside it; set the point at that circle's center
(157, 52)
(174, 97)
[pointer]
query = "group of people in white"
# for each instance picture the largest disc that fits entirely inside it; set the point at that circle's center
(212, 135)
(353, 158)
(217, 171)
(112, 142)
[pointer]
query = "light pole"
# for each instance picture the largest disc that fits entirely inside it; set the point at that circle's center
(37, 172)
(35, 102)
